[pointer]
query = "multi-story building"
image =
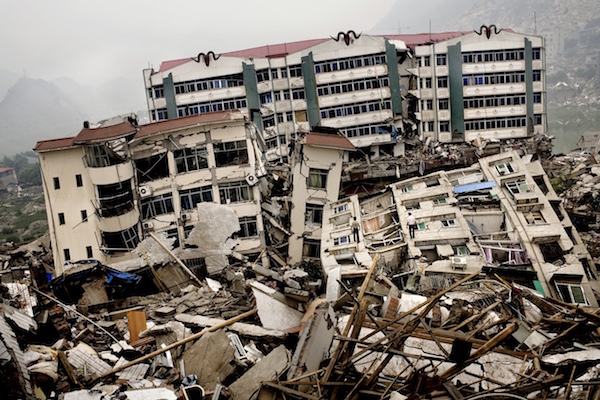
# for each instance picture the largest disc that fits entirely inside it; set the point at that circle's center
(108, 184)
(486, 85)
(500, 214)
(447, 87)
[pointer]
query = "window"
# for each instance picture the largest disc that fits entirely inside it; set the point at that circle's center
(426, 61)
(231, 153)
(311, 248)
(551, 252)
(191, 159)
(461, 250)
(440, 59)
(122, 241)
(534, 218)
(151, 168)
(61, 218)
(90, 253)
(235, 192)
(519, 186)
(443, 104)
(449, 223)
(342, 240)
(56, 183)
(248, 227)
(190, 197)
(78, 180)
(115, 199)
(295, 71)
(157, 205)
(314, 214)
(505, 168)
(84, 217)
(444, 126)
(422, 226)
(440, 200)
(442, 82)
(317, 178)
(571, 292)
(407, 188)
(67, 253)
(340, 208)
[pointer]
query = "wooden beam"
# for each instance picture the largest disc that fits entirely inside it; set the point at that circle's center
(495, 341)
(179, 343)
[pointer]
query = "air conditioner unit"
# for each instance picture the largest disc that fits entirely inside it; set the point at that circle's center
(251, 179)
(459, 263)
(186, 216)
(144, 191)
(147, 225)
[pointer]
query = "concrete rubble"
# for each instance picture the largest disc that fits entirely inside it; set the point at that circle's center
(382, 320)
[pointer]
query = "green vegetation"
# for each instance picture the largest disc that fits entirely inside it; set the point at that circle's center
(23, 219)
(27, 173)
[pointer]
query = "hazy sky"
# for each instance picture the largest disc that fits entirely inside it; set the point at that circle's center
(95, 41)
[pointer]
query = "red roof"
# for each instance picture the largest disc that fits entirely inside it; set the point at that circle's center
(53, 144)
(283, 49)
(105, 132)
(184, 122)
(5, 169)
(328, 140)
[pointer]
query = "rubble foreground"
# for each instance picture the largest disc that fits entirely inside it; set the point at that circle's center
(479, 336)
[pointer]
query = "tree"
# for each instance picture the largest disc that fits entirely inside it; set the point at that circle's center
(30, 174)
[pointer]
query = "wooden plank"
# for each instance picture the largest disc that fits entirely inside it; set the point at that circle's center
(136, 320)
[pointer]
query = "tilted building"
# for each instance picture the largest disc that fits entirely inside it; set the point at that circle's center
(377, 90)
(108, 184)
(500, 214)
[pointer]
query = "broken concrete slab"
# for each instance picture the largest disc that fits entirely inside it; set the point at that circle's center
(240, 328)
(267, 369)
(273, 312)
(314, 342)
(210, 358)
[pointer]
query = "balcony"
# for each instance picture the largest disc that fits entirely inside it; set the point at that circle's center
(491, 90)
(354, 97)
(204, 96)
(371, 71)
(111, 174)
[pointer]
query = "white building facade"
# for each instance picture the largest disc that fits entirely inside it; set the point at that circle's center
(109, 184)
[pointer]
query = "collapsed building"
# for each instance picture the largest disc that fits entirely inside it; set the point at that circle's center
(274, 184)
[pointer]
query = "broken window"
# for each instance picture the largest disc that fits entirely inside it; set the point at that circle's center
(440, 200)
(552, 252)
(311, 248)
(56, 183)
(115, 199)
(535, 218)
(314, 214)
(191, 159)
(78, 180)
(569, 230)
(235, 192)
(421, 226)
(248, 227)
(518, 186)
(317, 178)
(101, 155)
(461, 250)
(89, 252)
(190, 197)
(541, 183)
(407, 188)
(61, 218)
(115, 242)
(231, 153)
(571, 292)
(84, 216)
(449, 223)
(151, 168)
(504, 168)
(557, 209)
(157, 205)
(67, 253)
(173, 234)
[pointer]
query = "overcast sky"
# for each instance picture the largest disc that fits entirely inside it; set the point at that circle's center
(95, 41)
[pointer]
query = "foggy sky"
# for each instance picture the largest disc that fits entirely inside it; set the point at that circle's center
(93, 42)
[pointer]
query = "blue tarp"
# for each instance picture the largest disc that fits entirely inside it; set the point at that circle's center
(473, 187)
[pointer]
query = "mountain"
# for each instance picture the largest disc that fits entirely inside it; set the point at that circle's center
(33, 110)
(7, 79)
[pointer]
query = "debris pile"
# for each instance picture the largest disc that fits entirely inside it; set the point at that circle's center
(242, 336)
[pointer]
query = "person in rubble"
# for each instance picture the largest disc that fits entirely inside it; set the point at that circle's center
(355, 230)
(412, 225)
